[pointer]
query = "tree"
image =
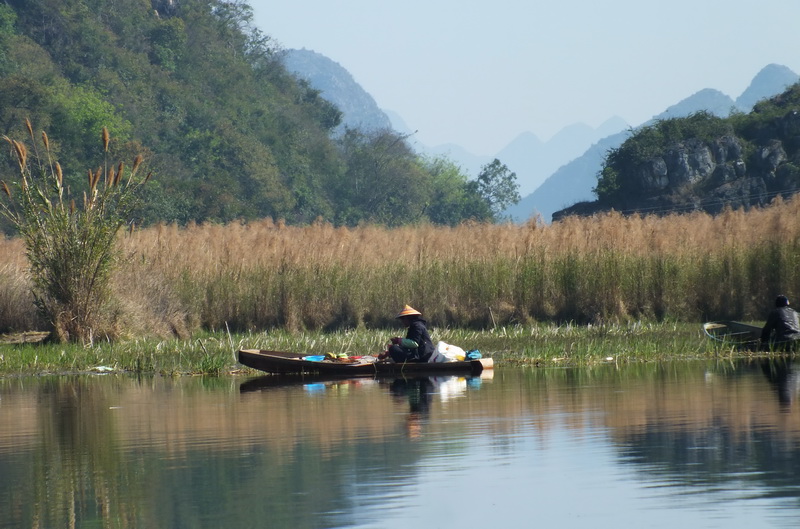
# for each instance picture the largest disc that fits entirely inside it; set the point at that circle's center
(454, 199)
(383, 180)
(70, 244)
(498, 187)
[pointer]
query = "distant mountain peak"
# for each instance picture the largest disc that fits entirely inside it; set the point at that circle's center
(707, 99)
(613, 121)
(336, 84)
(573, 129)
(611, 126)
(527, 139)
(772, 79)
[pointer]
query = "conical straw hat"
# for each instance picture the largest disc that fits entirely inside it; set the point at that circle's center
(408, 311)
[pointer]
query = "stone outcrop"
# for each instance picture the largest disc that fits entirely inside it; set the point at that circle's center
(165, 8)
(709, 176)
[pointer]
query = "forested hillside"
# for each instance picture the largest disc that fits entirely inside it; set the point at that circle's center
(227, 131)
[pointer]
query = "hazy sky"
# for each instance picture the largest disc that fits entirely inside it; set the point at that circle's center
(479, 73)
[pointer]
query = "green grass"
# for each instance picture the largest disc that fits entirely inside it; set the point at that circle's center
(215, 354)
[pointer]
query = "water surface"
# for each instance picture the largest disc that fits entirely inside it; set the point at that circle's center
(706, 444)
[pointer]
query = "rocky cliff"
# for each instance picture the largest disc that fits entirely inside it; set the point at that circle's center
(755, 161)
(164, 7)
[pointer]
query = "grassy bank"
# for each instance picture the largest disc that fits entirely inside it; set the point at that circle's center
(539, 345)
(181, 281)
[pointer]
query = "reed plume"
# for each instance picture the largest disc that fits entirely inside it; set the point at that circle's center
(22, 154)
(71, 251)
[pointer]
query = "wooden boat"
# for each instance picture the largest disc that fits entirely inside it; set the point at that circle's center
(734, 333)
(279, 362)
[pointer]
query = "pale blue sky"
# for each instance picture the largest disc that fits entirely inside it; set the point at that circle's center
(479, 73)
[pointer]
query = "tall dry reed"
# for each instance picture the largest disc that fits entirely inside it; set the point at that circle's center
(608, 268)
(17, 309)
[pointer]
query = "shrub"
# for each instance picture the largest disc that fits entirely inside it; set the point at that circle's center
(70, 244)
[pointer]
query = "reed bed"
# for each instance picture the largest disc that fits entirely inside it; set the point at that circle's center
(604, 270)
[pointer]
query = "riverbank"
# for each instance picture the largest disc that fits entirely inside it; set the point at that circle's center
(215, 353)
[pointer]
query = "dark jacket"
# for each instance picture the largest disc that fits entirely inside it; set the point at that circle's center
(782, 321)
(418, 332)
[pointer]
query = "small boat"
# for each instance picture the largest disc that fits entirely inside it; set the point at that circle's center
(279, 362)
(734, 333)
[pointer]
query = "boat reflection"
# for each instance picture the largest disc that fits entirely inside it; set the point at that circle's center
(444, 385)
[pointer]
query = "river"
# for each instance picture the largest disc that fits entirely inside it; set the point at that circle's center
(681, 444)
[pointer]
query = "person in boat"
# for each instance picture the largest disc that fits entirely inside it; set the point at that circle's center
(782, 330)
(417, 346)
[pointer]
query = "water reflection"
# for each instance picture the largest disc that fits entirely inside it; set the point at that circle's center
(700, 444)
(417, 393)
(737, 451)
(784, 378)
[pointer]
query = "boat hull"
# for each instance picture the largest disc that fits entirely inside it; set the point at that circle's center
(734, 333)
(280, 362)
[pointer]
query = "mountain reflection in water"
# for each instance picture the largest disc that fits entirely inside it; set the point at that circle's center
(702, 444)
